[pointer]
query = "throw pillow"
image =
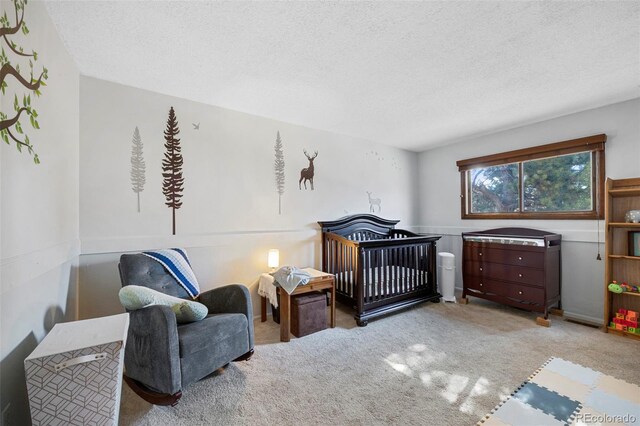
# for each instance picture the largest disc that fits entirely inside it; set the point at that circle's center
(189, 311)
(135, 297)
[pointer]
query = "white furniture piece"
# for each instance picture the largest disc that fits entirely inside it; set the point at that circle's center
(74, 376)
(447, 276)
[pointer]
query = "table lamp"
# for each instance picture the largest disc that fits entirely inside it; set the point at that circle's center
(273, 261)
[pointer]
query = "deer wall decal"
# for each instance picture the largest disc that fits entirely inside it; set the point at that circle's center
(374, 202)
(307, 174)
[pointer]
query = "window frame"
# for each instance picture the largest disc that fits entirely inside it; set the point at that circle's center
(594, 144)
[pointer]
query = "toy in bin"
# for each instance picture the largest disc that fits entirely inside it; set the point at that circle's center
(626, 320)
(614, 287)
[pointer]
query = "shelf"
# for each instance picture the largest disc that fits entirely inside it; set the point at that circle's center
(628, 192)
(619, 256)
(628, 293)
(623, 333)
(624, 225)
(622, 196)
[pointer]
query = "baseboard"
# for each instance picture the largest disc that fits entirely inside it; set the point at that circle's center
(583, 318)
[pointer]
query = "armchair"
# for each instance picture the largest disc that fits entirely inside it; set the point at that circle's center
(163, 357)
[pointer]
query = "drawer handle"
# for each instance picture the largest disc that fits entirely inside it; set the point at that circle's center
(519, 257)
(481, 268)
(480, 254)
(480, 284)
(519, 275)
(519, 292)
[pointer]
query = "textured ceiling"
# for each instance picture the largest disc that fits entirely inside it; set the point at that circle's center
(406, 74)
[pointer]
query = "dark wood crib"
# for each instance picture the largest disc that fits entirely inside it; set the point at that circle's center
(378, 269)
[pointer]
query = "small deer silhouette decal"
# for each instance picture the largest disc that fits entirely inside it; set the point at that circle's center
(307, 174)
(374, 202)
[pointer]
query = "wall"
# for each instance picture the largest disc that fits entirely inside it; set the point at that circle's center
(583, 275)
(229, 217)
(39, 214)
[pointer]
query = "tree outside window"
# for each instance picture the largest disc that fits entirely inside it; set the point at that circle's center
(561, 180)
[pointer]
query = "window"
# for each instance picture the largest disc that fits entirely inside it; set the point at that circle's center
(563, 180)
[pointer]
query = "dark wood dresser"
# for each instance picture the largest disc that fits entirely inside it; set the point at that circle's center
(515, 266)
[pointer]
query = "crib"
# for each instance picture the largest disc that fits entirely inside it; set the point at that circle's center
(378, 269)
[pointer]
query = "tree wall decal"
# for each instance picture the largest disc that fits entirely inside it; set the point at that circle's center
(138, 166)
(172, 182)
(279, 170)
(10, 127)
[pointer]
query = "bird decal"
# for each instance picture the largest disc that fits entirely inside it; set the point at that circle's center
(196, 126)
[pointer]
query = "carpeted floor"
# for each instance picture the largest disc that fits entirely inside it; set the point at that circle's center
(438, 364)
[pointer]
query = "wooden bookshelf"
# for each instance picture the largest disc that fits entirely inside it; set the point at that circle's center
(623, 225)
(625, 192)
(623, 333)
(619, 256)
(622, 195)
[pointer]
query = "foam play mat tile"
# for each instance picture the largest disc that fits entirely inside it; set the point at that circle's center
(564, 393)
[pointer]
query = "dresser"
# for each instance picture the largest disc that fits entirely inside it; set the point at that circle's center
(518, 267)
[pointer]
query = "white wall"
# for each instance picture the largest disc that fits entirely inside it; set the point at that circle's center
(39, 213)
(582, 274)
(229, 218)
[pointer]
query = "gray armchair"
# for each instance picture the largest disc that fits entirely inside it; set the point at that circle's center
(163, 357)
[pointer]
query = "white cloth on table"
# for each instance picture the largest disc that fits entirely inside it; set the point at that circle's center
(267, 287)
(290, 277)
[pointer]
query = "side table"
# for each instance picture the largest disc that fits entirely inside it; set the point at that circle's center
(324, 283)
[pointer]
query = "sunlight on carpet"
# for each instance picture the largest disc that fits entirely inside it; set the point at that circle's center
(417, 362)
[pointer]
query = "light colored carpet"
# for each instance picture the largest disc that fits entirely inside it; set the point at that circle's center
(437, 364)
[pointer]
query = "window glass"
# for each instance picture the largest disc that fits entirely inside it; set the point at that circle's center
(495, 189)
(560, 180)
(558, 184)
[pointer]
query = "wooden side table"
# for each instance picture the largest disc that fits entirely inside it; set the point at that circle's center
(324, 283)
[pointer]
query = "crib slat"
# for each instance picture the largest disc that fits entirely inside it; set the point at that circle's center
(406, 272)
(379, 274)
(418, 269)
(364, 270)
(339, 261)
(433, 268)
(401, 272)
(394, 269)
(347, 273)
(370, 277)
(419, 254)
(389, 277)
(389, 272)
(353, 271)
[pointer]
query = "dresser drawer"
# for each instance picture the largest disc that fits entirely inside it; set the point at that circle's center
(486, 285)
(498, 271)
(529, 259)
(528, 294)
(510, 290)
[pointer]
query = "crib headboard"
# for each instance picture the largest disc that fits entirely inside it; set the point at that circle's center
(349, 225)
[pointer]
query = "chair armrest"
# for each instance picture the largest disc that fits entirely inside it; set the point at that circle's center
(230, 299)
(152, 352)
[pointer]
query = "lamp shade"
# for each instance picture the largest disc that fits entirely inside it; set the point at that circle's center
(274, 258)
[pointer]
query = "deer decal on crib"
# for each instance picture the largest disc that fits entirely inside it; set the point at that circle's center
(374, 202)
(307, 174)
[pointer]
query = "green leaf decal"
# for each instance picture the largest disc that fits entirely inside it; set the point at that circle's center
(23, 80)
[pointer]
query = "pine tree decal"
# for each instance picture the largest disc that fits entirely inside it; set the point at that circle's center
(279, 170)
(172, 167)
(137, 165)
